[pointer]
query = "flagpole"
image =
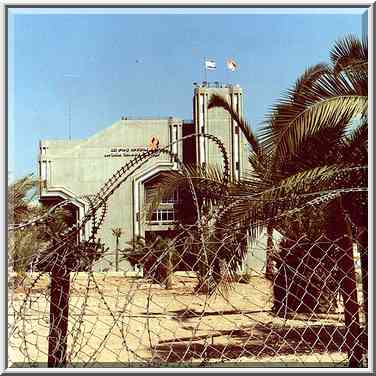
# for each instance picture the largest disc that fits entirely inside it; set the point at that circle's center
(205, 70)
(228, 74)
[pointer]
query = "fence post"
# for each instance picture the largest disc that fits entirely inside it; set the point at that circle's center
(363, 250)
(59, 309)
(351, 308)
(169, 268)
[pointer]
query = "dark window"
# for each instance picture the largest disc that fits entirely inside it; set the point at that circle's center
(170, 199)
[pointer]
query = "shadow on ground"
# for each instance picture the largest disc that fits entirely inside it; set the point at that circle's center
(187, 314)
(259, 340)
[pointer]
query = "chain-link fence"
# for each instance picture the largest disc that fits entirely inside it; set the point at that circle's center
(293, 302)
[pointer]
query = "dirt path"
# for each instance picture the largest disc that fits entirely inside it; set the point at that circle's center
(120, 321)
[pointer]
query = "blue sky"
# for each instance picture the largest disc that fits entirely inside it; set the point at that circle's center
(144, 62)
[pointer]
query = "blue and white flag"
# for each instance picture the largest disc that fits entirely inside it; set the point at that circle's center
(210, 64)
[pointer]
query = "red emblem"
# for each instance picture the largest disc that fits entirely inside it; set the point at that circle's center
(153, 144)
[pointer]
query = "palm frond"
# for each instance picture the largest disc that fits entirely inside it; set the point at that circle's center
(261, 208)
(209, 181)
(19, 196)
(319, 99)
(218, 101)
(116, 232)
(359, 136)
(321, 149)
(349, 54)
(295, 124)
(306, 81)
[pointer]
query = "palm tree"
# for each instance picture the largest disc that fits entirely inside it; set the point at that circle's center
(20, 195)
(116, 232)
(315, 139)
(157, 256)
(313, 147)
(28, 242)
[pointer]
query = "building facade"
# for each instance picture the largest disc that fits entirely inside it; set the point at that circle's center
(71, 169)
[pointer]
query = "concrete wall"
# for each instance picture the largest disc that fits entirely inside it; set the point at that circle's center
(82, 167)
(255, 262)
(218, 122)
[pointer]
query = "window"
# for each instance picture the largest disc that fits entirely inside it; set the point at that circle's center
(171, 199)
(163, 216)
(165, 213)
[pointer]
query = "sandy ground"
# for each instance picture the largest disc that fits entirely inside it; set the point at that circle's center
(122, 321)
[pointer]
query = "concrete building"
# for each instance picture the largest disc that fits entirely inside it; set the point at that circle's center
(74, 168)
(218, 122)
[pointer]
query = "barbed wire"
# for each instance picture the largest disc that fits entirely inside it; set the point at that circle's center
(244, 314)
(202, 299)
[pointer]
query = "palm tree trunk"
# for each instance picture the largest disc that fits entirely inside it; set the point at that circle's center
(339, 233)
(117, 254)
(269, 253)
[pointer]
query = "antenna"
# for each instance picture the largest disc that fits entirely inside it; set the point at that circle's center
(70, 95)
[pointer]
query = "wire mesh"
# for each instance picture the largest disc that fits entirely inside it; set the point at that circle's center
(291, 301)
(185, 306)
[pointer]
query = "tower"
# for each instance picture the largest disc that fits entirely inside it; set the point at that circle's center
(219, 123)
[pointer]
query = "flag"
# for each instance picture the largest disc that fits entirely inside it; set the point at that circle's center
(231, 64)
(210, 64)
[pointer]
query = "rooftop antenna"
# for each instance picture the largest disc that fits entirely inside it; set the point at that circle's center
(70, 94)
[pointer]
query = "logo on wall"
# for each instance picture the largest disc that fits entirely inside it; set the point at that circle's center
(126, 151)
(153, 144)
